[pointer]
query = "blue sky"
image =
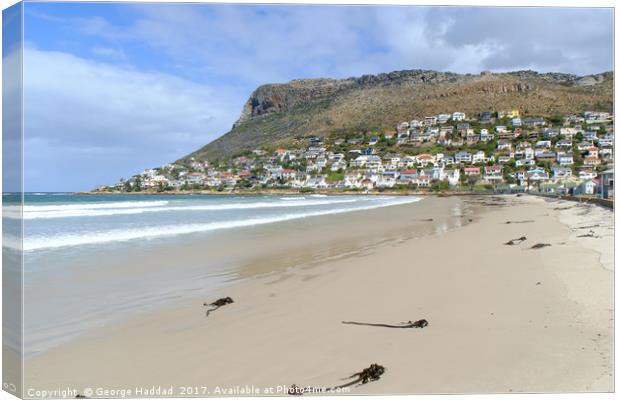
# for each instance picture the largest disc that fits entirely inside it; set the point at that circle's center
(111, 89)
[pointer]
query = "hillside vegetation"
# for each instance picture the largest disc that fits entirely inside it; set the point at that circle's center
(279, 114)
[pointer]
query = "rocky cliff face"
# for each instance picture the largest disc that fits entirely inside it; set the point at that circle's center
(277, 113)
(277, 98)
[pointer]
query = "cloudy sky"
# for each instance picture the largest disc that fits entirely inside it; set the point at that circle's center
(111, 89)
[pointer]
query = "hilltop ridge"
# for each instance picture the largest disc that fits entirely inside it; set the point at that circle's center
(278, 113)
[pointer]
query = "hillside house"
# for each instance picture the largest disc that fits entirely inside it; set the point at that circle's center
(493, 174)
(425, 159)
(358, 162)
(478, 157)
(429, 121)
(485, 136)
(485, 117)
(453, 176)
(504, 159)
(462, 157)
(534, 122)
(564, 144)
(458, 116)
(504, 145)
(591, 161)
(537, 175)
(508, 114)
(587, 174)
(443, 118)
(565, 159)
(408, 175)
(562, 173)
(423, 181)
(548, 156)
(471, 171)
(462, 127)
(587, 187)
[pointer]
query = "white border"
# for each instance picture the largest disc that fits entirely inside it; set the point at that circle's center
(480, 3)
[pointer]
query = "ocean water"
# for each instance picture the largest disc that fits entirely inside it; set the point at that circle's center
(91, 260)
(53, 221)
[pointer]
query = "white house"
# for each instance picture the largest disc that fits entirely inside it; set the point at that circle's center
(587, 187)
(565, 159)
(317, 182)
(587, 174)
(493, 174)
(352, 180)
(462, 157)
(528, 153)
(458, 116)
(562, 173)
(478, 157)
(443, 118)
(430, 120)
(504, 159)
(564, 143)
(373, 162)
(537, 174)
(525, 162)
(358, 162)
(543, 144)
(453, 176)
(504, 145)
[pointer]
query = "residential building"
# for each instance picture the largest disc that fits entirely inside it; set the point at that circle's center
(458, 116)
(462, 157)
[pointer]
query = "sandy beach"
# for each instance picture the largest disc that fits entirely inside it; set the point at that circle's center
(501, 318)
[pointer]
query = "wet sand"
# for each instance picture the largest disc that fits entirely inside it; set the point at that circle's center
(501, 318)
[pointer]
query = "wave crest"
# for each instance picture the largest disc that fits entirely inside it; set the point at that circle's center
(39, 243)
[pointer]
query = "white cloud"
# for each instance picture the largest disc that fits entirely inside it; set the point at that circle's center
(11, 121)
(87, 116)
(111, 53)
(276, 43)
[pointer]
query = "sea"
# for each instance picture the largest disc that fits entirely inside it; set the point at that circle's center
(91, 260)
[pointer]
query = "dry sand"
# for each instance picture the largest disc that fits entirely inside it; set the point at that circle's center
(501, 318)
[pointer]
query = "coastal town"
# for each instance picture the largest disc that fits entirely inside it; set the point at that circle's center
(505, 150)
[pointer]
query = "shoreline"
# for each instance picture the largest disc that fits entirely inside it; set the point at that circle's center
(282, 192)
(481, 298)
(607, 203)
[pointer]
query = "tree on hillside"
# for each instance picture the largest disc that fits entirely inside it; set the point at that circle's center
(471, 181)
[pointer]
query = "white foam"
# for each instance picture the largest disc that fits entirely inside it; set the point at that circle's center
(95, 205)
(33, 211)
(12, 212)
(43, 242)
(12, 242)
(46, 213)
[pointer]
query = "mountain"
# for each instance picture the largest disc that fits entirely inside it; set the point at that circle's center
(277, 114)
